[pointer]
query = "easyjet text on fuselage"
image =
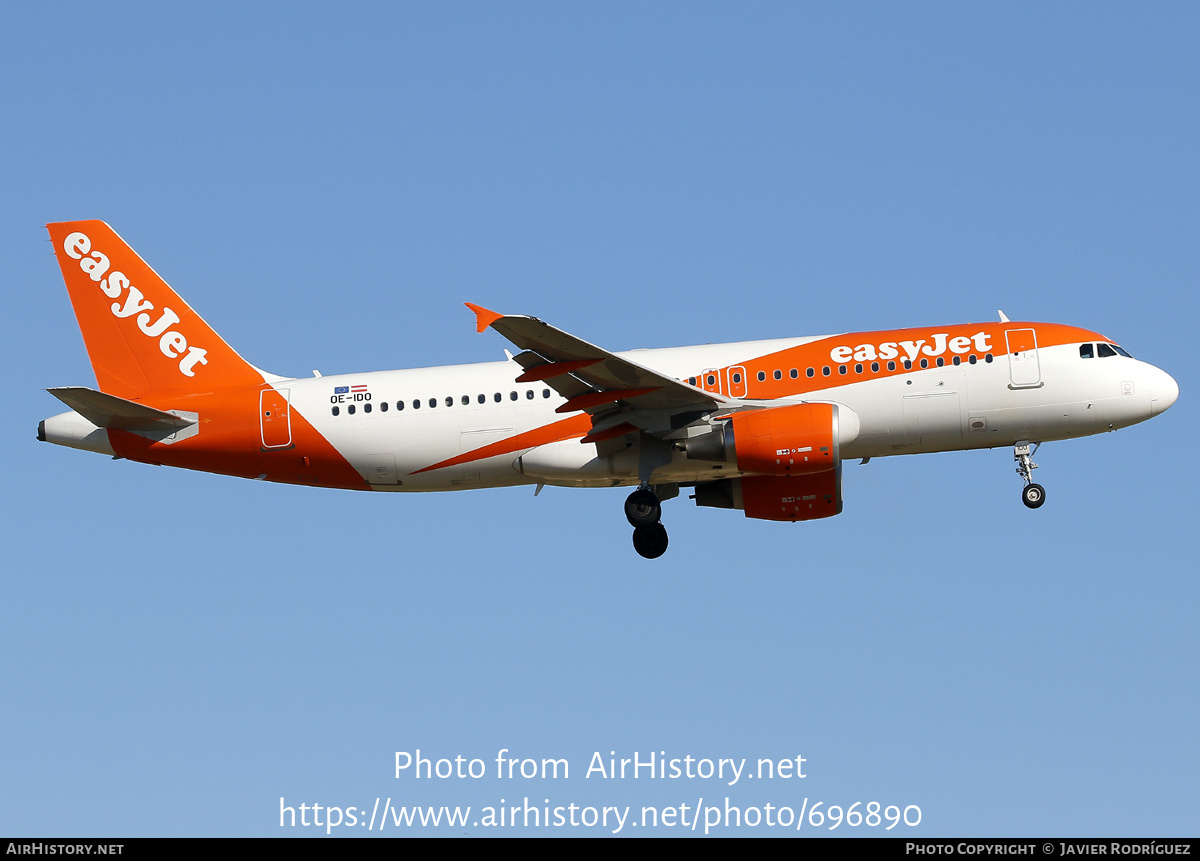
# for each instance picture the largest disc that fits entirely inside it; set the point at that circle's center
(935, 345)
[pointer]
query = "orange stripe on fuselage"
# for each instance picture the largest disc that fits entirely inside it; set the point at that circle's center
(229, 442)
(817, 355)
(567, 428)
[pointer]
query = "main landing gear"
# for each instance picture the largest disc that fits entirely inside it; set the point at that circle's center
(643, 511)
(1034, 494)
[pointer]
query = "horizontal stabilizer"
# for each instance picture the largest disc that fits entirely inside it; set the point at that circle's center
(109, 411)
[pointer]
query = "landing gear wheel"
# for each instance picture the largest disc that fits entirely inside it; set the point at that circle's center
(643, 509)
(1033, 495)
(650, 541)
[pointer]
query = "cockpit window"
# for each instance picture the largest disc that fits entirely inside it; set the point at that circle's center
(1104, 351)
(1085, 351)
(1122, 351)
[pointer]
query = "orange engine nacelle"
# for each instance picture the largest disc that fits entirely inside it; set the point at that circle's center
(795, 451)
(792, 440)
(777, 497)
(798, 439)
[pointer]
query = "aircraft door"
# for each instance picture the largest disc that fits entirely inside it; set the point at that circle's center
(274, 417)
(1024, 367)
(710, 380)
(737, 382)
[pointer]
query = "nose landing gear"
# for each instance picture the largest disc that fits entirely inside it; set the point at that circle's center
(1033, 495)
(643, 511)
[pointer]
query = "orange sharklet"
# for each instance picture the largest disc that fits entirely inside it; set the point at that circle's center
(483, 317)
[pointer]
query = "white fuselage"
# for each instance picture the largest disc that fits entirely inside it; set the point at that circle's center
(967, 406)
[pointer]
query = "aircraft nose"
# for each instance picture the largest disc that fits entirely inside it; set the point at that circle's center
(1164, 390)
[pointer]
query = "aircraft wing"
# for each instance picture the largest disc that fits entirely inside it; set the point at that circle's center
(593, 379)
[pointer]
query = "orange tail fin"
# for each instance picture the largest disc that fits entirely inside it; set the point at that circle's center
(140, 336)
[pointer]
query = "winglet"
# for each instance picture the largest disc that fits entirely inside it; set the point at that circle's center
(483, 317)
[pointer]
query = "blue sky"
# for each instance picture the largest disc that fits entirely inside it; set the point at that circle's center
(327, 185)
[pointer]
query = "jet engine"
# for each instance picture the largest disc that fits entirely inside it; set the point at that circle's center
(795, 451)
(777, 497)
(798, 439)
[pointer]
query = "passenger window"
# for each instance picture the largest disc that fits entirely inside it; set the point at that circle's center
(691, 381)
(366, 408)
(874, 367)
(762, 376)
(858, 369)
(350, 409)
(545, 393)
(971, 358)
(825, 370)
(483, 399)
(466, 399)
(924, 363)
(449, 400)
(336, 411)
(496, 397)
(908, 364)
(383, 407)
(1104, 351)
(941, 363)
(432, 403)
(891, 366)
(711, 380)
(416, 405)
(529, 394)
(957, 360)
(988, 358)
(810, 372)
(793, 373)
(399, 405)
(512, 396)
(737, 378)
(841, 369)
(778, 374)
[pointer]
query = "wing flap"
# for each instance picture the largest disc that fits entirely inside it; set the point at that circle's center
(565, 384)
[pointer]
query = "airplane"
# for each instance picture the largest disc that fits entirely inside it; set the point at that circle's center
(758, 426)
